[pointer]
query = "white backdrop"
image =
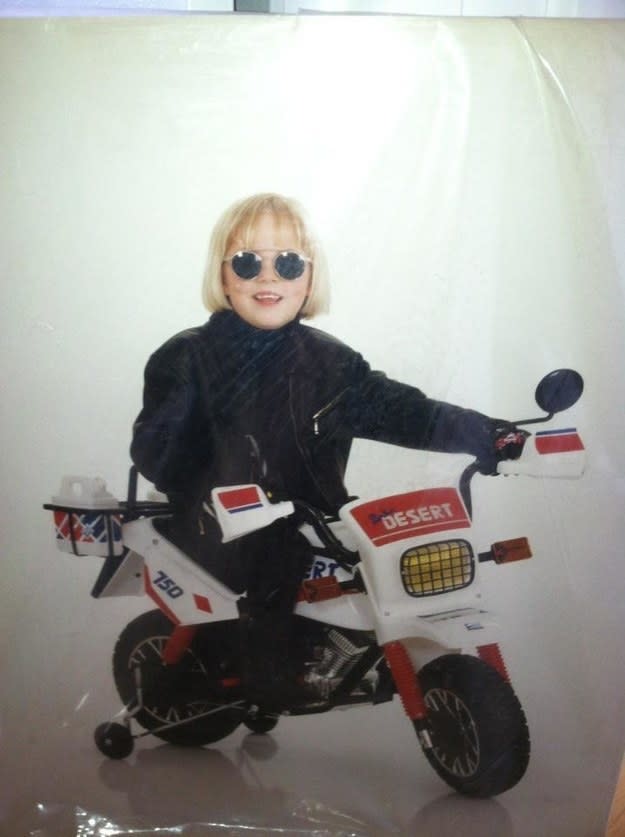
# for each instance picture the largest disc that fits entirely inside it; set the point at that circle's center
(466, 177)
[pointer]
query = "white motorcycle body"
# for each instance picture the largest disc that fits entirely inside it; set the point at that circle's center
(421, 573)
(392, 606)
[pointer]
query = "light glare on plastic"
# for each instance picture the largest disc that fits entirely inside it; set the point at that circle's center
(437, 568)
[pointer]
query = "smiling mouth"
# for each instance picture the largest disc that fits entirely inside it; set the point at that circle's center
(267, 297)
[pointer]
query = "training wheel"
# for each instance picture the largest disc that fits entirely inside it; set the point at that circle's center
(260, 723)
(114, 740)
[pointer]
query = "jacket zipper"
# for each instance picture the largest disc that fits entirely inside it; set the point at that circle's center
(301, 448)
(322, 412)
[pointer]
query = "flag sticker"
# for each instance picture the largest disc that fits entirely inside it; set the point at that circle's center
(558, 441)
(85, 532)
(240, 499)
(86, 528)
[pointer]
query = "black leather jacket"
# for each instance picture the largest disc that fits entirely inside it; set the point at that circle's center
(226, 403)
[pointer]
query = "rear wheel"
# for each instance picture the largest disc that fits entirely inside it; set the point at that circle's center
(180, 694)
(480, 740)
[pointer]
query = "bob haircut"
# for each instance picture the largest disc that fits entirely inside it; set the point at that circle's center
(239, 220)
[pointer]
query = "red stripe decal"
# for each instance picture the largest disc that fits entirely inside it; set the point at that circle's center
(561, 443)
(239, 497)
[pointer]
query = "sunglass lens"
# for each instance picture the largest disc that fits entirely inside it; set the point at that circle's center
(290, 265)
(246, 265)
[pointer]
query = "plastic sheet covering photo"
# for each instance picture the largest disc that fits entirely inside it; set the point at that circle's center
(311, 568)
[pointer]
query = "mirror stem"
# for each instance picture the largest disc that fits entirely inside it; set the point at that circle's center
(535, 420)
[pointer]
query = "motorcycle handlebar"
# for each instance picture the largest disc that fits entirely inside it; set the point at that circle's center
(344, 557)
(465, 485)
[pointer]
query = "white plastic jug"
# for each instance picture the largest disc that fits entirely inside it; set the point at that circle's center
(84, 492)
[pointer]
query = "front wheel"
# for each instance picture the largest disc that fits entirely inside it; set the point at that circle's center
(179, 703)
(480, 741)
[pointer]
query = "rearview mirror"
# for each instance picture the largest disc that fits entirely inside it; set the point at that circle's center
(559, 390)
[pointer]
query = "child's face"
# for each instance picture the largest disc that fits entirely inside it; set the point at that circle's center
(267, 301)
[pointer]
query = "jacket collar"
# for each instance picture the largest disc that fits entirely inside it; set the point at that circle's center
(229, 325)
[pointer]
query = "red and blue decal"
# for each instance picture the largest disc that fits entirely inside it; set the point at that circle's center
(86, 527)
(240, 499)
(558, 441)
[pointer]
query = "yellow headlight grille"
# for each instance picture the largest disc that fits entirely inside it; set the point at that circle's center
(437, 568)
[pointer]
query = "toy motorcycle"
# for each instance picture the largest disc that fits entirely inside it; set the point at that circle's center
(392, 606)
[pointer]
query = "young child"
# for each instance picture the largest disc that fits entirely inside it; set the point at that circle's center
(253, 395)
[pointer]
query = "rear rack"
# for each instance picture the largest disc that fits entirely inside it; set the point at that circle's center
(71, 522)
(90, 530)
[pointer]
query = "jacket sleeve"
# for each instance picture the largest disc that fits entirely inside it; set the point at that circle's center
(389, 411)
(169, 444)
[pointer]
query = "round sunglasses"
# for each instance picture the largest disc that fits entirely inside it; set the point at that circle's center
(287, 264)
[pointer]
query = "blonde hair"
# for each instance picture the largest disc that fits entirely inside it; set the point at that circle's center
(240, 219)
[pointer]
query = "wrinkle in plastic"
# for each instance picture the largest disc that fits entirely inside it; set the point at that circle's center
(467, 179)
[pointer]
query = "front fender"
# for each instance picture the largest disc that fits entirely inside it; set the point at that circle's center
(428, 637)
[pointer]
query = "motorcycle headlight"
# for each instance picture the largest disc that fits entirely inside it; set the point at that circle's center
(437, 568)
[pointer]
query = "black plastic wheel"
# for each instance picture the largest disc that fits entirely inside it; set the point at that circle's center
(260, 723)
(480, 740)
(114, 740)
(176, 693)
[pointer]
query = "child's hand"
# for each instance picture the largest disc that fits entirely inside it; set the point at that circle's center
(508, 442)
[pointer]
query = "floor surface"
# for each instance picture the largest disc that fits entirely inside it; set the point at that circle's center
(355, 773)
